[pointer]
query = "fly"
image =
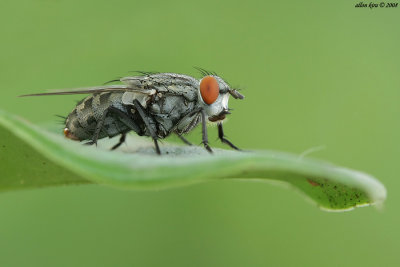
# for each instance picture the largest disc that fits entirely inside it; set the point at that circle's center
(153, 104)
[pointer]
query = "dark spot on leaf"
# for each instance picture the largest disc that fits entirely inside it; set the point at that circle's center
(313, 183)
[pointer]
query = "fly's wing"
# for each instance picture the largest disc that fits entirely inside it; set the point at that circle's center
(171, 83)
(96, 90)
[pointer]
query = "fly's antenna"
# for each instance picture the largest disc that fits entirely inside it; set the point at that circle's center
(236, 94)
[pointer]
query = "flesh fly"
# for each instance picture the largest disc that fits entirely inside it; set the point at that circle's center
(152, 104)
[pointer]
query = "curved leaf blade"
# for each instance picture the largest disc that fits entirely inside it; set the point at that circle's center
(68, 162)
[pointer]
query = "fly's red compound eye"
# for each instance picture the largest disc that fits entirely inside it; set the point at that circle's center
(209, 89)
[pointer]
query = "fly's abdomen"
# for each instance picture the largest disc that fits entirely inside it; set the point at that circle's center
(82, 122)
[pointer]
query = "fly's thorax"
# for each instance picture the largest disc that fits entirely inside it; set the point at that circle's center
(165, 83)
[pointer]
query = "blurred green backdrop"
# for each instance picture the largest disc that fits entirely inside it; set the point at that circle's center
(315, 73)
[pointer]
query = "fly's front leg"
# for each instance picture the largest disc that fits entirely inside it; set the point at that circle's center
(146, 121)
(223, 139)
(204, 131)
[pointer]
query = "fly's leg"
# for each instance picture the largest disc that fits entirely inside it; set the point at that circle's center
(204, 132)
(99, 125)
(89, 143)
(121, 141)
(184, 140)
(146, 121)
(157, 147)
(125, 119)
(223, 139)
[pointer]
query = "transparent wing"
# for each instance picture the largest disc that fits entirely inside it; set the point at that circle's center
(148, 84)
(95, 90)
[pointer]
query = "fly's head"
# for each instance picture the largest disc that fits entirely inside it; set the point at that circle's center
(214, 95)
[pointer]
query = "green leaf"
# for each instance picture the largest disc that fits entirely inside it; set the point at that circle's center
(33, 157)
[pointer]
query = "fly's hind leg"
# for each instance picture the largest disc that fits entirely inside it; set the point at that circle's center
(146, 121)
(223, 139)
(98, 128)
(120, 142)
(125, 119)
(184, 139)
(89, 143)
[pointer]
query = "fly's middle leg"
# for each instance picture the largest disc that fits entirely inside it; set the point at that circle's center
(120, 142)
(146, 121)
(184, 139)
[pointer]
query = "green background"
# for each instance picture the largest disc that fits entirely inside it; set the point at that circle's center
(315, 73)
